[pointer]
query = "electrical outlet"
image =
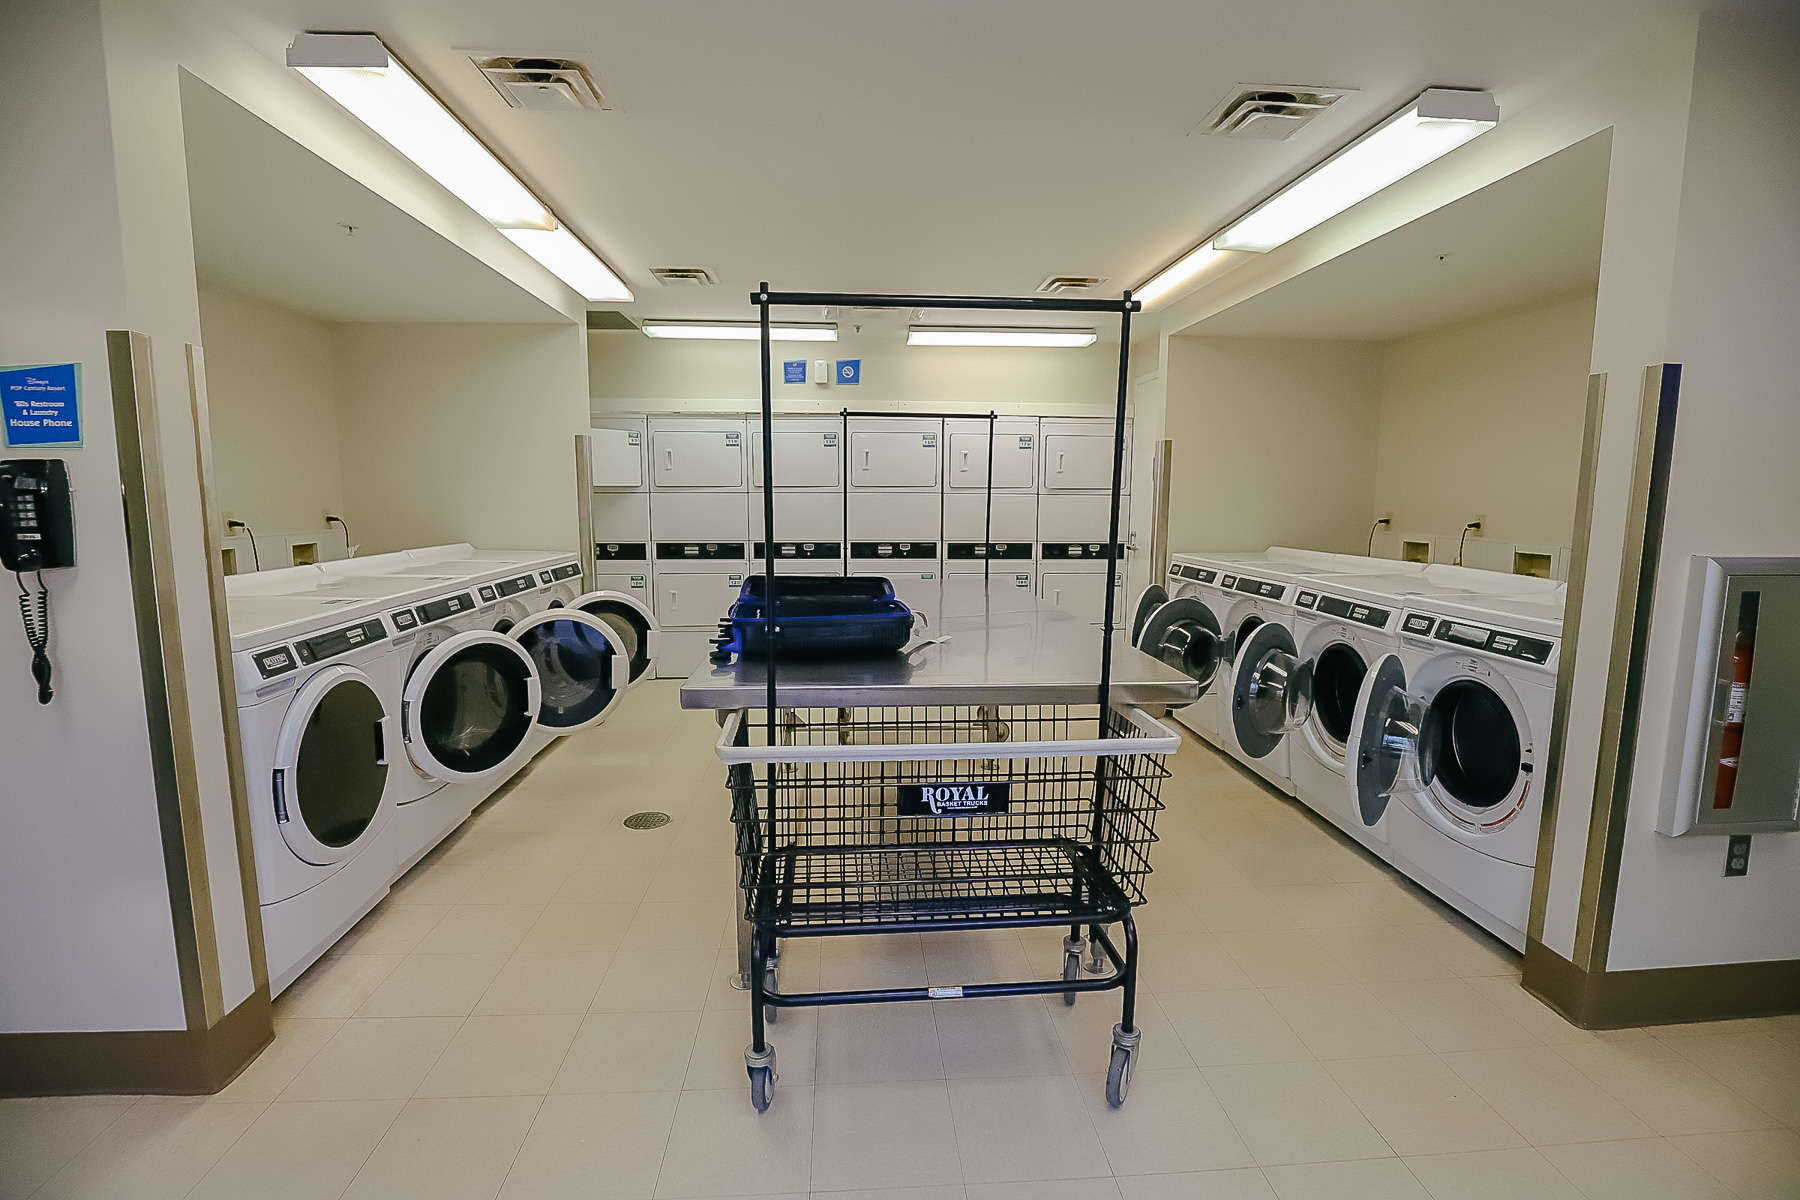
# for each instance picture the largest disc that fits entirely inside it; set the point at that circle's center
(1480, 522)
(1386, 518)
(1737, 855)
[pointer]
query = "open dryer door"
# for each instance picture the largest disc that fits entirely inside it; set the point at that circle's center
(1383, 757)
(469, 706)
(1271, 689)
(633, 623)
(331, 765)
(1148, 601)
(1185, 634)
(582, 667)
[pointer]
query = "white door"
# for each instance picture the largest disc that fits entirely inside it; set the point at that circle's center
(696, 598)
(1015, 455)
(805, 457)
(1009, 587)
(882, 458)
(583, 667)
(697, 458)
(1080, 593)
(469, 706)
(635, 584)
(331, 765)
(616, 458)
(1078, 457)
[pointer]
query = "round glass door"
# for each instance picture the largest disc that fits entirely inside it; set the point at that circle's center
(1185, 634)
(470, 703)
(1469, 748)
(1149, 600)
(582, 668)
(632, 624)
(1271, 689)
(1384, 741)
(330, 765)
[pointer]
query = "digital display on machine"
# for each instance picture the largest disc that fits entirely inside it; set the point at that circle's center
(1204, 576)
(515, 585)
(619, 551)
(340, 641)
(989, 550)
(566, 571)
(1306, 599)
(1229, 582)
(1077, 550)
(893, 550)
(1259, 587)
(1351, 610)
(1417, 623)
(486, 592)
(449, 606)
(275, 661)
(814, 550)
(403, 619)
(699, 549)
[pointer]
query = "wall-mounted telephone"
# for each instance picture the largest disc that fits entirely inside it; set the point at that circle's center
(37, 533)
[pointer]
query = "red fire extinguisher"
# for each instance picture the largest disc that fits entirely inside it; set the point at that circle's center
(1731, 740)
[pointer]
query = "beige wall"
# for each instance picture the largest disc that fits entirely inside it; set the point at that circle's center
(272, 386)
(1485, 418)
(630, 372)
(461, 433)
(1273, 442)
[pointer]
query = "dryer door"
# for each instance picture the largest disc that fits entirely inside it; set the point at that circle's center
(582, 666)
(1337, 669)
(632, 621)
(1149, 600)
(469, 705)
(1184, 633)
(1383, 759)
(331, 765)
(1271, 689)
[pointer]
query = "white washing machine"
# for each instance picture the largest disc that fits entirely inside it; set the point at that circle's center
(1449, 736)
(317, 685)
(1190, 636)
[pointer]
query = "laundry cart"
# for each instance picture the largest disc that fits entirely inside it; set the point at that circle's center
(1003, 773)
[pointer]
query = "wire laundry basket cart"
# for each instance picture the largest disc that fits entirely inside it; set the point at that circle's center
(1012, 793)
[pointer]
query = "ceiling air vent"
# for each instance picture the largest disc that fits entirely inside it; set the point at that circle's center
(1269, 113)
(683, 276)
(542, 84)
(1058, 284)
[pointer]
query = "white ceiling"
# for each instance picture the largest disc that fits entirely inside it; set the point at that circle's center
(1532, 234)
(932, 145)
(268, 220)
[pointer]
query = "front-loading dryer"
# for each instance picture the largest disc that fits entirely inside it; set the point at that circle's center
(632, 623)
(1187, 632)
(1448, 738)
(316, 691)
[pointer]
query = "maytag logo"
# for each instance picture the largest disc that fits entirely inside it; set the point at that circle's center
(953, 799)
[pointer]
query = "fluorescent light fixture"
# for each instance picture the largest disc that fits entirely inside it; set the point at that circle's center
(740, 331)
(1177, 273)
(360, 73)
(969, 335)
(568, 258)
(1439, 121)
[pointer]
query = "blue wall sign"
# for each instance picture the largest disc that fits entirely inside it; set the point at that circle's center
(794, 371)
(849, 371)
(41, 405)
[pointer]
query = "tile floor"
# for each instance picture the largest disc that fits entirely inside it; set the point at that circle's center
(540, 1009)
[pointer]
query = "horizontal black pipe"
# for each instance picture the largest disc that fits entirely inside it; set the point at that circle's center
(994, 303)
(907, 412)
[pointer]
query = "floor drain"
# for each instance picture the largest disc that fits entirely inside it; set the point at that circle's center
(647, 820)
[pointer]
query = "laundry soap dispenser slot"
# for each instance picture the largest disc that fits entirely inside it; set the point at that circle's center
(1740, 727)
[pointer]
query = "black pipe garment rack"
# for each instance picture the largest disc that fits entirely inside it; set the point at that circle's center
(764, 299)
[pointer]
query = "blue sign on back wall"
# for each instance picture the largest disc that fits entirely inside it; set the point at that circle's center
(793, 371)
(41, 405)
(849, 371)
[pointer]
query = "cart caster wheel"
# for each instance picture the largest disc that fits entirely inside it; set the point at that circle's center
(1124, 1060)
(762, 1087)
(1071, 972)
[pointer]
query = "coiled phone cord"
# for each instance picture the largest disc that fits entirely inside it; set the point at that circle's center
(35, 610)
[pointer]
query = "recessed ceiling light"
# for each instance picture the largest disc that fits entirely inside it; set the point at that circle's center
(968, 335)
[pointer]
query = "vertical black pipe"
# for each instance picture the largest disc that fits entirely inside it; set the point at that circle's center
(987, 528)
(844, 480)
(768, 471)
(1112, 537)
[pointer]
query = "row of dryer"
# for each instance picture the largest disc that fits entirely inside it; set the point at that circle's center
(678, 511)
(1410, 705)
(381, 699)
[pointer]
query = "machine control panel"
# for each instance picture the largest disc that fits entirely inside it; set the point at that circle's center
(893, 550)
(1419, 623)
(706, 550)
(340, 641)
(1197, 574)
(404, 619)
(804, 550)
(276, 660)
(487, 593)
(620, 552)
(1079, 550)
(448, 606)
(566, 571)
(1268, 589)
(989, 550)
(1494, 641)
(515, 585)
(1354, 610)
(1306, 600)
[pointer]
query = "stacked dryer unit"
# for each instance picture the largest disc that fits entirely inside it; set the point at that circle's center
(1075, 470)
(618, 463)
(990, 572)
(809, 495)
(699, 524)
(895, 518)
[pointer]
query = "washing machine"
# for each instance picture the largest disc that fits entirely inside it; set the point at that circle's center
(1448, 739)
(632, 622)
(1187, 632)
(317, 690)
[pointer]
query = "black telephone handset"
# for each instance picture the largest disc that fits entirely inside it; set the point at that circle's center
(37, 533)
